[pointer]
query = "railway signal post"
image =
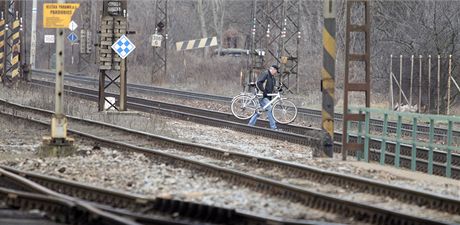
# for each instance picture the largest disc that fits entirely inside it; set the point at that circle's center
(58, 16)
(112, 61)
(160, 41)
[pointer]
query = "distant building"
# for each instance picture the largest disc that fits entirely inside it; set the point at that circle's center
(231, 38)
(232, 43)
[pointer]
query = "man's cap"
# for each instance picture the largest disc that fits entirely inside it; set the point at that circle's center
(276, 67)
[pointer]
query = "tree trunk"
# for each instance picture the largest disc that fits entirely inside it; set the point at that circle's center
(218, 6)
(201, 14)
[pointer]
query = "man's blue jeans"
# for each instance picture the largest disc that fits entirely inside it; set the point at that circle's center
(271, 120)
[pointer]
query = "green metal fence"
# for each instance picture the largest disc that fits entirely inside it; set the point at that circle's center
(411, 137)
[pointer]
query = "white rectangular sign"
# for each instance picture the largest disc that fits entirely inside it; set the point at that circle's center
(49, 38)
(156, 40)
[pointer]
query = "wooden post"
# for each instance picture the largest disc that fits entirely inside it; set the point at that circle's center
(391, 82)
(400, 81)
(429, 84)
(438, 83)
(448, 84)
(411, 79)
(420, 84)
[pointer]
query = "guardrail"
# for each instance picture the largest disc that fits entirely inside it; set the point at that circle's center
(447, 144)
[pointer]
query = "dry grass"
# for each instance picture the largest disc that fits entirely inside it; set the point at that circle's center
(44, 98)
(190, 72)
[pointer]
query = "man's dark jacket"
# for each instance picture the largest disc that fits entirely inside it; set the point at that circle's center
(269, 80)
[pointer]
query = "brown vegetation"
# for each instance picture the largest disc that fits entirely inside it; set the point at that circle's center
(398, 27)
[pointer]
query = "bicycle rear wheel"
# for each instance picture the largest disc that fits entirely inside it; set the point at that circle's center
(284, 111)
(243, 107)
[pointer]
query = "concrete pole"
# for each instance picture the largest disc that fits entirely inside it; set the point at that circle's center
(58, 144)
(328, 75)
(59, 122)
(24, 64)
(33, 35)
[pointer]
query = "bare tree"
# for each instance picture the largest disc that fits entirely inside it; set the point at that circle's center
(201, 13)
(218, 14)
(415, 27)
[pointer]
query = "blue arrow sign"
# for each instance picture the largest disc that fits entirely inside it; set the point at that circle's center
(72, 37)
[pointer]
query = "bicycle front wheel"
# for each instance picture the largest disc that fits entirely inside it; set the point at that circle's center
(284, 111)
(243, 107)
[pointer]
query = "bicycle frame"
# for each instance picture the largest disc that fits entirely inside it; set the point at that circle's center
(276, 96)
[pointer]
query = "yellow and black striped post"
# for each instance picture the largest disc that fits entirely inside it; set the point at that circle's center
(328, 75)
(16, 49)
(198, 43)
(2, 47)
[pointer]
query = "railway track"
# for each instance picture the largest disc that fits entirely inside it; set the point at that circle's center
(296, 134)
(18, 192)
(315, 116)
(211, 162)
(18, 217)
(154, 210)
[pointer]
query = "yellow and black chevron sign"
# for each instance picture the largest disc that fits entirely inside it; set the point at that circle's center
(16, 49)
(2, 44)
(198, 43)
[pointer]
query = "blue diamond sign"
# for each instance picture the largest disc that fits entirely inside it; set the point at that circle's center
(123, 47)
(72, 37)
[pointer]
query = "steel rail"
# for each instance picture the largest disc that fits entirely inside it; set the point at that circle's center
(262, 182)
(296, 134)
(307, 113)
(123, 203)
(42, 198)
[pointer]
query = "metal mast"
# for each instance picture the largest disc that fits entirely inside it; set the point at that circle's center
(357, 60)
(275, 39)
(160, 53)
(86, 43)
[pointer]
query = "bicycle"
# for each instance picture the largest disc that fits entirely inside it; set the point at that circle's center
(245, 105)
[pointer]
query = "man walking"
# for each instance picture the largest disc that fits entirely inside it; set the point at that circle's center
(266, 84)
